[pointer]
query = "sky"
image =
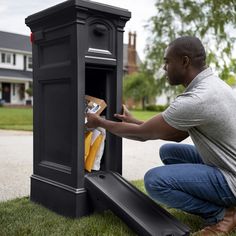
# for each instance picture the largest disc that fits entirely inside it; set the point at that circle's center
(13, 14)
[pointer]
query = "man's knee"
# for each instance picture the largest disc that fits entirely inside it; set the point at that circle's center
(154, 181)
(165, 153)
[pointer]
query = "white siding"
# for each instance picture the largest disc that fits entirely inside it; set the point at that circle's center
(19, 61)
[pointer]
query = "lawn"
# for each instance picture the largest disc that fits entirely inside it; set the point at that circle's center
(16, 118)
(143, 115)
(21, 217)
(22, 118)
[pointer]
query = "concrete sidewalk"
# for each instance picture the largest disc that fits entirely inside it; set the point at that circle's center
(16, 161)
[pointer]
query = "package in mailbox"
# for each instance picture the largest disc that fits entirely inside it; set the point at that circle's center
(95, 138)
(94, 105)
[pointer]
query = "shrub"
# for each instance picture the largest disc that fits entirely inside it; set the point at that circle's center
(158, 108)
(2, 102)
(29, 91)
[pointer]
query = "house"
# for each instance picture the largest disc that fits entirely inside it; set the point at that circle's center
(131, 59)
(16, 65)
(131, 64)
(15, 68)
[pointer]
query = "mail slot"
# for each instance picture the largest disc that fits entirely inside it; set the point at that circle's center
(77, 50)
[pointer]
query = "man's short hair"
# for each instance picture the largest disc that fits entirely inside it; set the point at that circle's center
(192, 47)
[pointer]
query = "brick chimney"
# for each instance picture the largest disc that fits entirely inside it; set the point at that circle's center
(132, 62)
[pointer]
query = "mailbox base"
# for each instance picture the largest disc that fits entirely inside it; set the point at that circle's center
(60, 198)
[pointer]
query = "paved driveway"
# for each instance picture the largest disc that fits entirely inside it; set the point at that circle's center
(16, 150)
(16, 161)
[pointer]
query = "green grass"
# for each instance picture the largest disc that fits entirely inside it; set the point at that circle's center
(16, 118)
(22, 118)
(143, 115)
(21, 217)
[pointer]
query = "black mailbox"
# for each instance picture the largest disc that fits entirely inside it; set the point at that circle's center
(77, 50)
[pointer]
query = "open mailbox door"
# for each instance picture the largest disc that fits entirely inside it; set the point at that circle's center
(108, 189)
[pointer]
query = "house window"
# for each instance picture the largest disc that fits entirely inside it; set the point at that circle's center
(30, 63)
(6, 58)
(25, 62)
(3, 57)
(14, 59)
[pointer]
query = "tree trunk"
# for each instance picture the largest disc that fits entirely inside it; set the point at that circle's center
(143, 103)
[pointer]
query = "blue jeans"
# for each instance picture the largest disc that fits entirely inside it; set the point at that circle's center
(186, 183)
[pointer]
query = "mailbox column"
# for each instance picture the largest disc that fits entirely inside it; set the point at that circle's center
(72, 43)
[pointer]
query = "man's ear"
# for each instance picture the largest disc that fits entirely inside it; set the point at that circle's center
(186, 61)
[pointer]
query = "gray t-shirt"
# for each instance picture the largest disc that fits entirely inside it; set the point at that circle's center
(207, 111)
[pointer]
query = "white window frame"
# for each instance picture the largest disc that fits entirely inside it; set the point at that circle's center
(7, 57)
(29, 63)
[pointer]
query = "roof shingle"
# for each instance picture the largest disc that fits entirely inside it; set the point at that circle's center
(15, 41)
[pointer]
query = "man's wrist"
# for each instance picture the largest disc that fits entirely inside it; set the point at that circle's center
(100, 122)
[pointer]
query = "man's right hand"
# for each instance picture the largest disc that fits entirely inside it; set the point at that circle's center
(93, 120)
(127, 117)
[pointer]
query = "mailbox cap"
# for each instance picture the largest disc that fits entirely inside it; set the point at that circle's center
(84, 4)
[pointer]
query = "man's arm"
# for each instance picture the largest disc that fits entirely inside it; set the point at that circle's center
(155, 128)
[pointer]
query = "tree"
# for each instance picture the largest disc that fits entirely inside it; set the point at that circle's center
(212, 21)
(141, 87)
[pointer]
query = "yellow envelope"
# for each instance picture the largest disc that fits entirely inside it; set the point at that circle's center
(92, 153)
(87, 143)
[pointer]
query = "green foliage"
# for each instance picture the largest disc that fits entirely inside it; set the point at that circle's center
(29, 91)
(211, 20)
(141, 87)
(157, 108)
(231, 80)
